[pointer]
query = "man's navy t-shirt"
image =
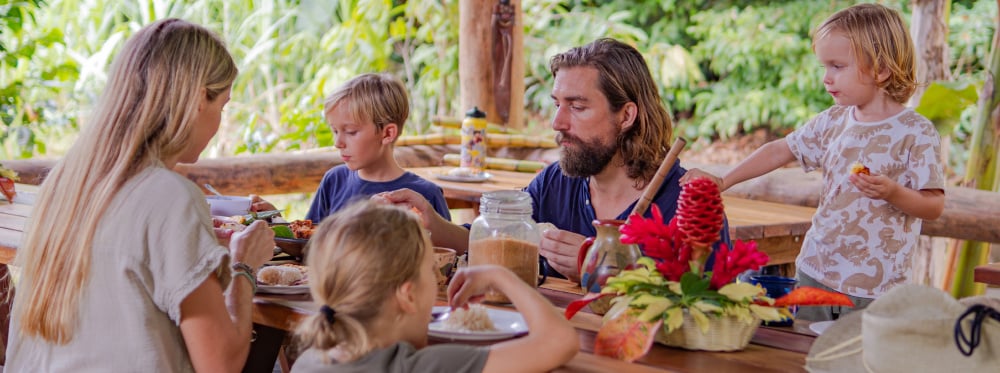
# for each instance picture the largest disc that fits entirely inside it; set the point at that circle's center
(565, 202)
(341, 186)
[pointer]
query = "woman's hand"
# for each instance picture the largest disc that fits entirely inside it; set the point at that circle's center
(254, 245)
(258, 204)
(561, 248)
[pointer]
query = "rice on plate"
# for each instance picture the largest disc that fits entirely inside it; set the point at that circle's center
(474, 319)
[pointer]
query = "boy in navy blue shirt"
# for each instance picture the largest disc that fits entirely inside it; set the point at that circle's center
(366, 115)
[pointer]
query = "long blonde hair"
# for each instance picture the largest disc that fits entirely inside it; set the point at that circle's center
(145, 115)
(880, 41)
(358, 257)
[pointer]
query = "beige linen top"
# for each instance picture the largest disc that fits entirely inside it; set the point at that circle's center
(858, 245)
(153, 247)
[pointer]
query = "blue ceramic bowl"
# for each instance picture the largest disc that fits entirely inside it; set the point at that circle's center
(776, 287)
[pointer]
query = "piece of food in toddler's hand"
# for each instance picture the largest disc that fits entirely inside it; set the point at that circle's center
(474, 319)
(858, 168)
(279, 275)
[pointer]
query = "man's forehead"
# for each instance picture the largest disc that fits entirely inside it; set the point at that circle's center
(576, 84)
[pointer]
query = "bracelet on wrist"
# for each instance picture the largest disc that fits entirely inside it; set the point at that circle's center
(249, 277)
(240, 266)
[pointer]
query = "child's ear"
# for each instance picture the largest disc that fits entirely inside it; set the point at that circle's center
(882, 76)
(405, 297)
(389, 133)
(203, 93)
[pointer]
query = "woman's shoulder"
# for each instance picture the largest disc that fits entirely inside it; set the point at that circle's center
(158, 185)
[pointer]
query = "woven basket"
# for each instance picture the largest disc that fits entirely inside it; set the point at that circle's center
(725, 333)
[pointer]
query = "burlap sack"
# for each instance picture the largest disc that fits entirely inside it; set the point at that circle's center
(909, 329)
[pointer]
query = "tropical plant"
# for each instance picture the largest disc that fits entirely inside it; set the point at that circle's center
(32, 72)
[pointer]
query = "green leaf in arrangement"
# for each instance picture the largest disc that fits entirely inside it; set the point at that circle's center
(943, 103)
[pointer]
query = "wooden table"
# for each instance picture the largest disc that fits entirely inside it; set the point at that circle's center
(988, 274)
(771, 350)
(777, 228)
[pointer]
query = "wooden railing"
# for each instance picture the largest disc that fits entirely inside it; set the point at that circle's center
(969, 214)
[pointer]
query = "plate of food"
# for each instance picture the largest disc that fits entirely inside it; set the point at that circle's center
(820, 326)
(478, 323)
(288, 278)
(463, 176)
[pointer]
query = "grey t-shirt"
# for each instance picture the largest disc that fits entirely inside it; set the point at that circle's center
(152, 248)
(400, 358)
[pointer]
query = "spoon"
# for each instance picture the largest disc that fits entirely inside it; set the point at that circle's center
(440, 316)
(211, 189)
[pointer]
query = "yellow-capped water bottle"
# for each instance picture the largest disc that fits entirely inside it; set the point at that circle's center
(474, 142)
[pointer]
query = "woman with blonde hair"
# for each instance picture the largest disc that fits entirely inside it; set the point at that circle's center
(121, 268)
(372, 270)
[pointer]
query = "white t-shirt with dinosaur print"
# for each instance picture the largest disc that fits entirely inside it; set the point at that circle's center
(858, 245)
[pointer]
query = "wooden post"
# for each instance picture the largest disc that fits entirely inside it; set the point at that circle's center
(475, 62)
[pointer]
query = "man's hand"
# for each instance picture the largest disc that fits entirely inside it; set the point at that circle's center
(561, 248)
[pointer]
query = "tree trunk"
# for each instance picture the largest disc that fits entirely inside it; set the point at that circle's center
(981, 171)
(929, 28)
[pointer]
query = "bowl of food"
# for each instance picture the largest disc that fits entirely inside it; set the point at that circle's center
(445, 260)
(293, 238)
(228, 205)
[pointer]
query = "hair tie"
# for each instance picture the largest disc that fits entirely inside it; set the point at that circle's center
(328, 312)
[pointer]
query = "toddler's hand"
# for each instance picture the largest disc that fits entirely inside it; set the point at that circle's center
(695, 173)
(874, 186)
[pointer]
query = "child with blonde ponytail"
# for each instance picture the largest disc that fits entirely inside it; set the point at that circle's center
(372, 270)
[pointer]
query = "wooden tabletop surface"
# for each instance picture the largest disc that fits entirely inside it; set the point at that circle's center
(988, 274)
(771, 350)
(748, 219)
(777, 228)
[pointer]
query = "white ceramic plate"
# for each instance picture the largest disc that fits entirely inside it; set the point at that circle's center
(820, 326)
(464, 178)
(508, 323)
(277, 289)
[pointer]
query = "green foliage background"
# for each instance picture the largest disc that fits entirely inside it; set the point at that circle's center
(725, 67)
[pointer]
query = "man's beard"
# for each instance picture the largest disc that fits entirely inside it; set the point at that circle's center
(587, 159)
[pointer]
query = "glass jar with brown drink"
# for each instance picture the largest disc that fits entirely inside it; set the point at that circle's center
(506, 235)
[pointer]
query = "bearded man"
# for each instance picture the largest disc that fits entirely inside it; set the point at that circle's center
(613, 131)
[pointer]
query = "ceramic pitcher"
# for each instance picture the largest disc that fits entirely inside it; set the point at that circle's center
(604, 256)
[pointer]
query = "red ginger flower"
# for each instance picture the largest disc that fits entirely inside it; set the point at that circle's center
(700, 214)
(661, 242)
(730, 263)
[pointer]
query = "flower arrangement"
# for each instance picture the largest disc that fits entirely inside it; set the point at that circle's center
(671, 279)
(7, 179)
